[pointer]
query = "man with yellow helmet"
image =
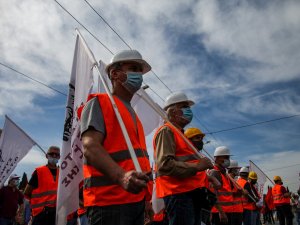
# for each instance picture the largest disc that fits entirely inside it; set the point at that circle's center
(196, 136)
(282, 202)
(251, 210)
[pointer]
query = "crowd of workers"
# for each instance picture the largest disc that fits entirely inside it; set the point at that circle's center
(195, 189)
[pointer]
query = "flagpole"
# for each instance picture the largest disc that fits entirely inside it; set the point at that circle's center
(40, 148)
(115, 108)
(262, 172)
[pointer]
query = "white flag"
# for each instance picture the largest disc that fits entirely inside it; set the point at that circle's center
(101, 88)
(158, 204)
(148, 116)
(14, 145)
(261, 177)
(71, 173)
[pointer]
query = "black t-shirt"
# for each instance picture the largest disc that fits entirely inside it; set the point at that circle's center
(34, 179)
(252, 191)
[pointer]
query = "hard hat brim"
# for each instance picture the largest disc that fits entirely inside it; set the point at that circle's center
(234, 167)
(223, 155)
(190, 102)
(145, 66)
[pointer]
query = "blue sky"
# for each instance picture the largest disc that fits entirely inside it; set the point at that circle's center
(238, 60)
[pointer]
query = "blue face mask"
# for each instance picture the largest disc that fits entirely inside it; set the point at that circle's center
(134, 82)
(52, 161)
(187, 114)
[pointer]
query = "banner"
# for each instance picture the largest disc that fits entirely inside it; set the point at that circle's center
(14, 145)
(100, 88)
(71, 174)
(269, 199)
(261, 177)
(147, 115)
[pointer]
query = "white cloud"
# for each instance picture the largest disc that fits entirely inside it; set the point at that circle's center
(267, 35)
(261, 44)
(280, 164)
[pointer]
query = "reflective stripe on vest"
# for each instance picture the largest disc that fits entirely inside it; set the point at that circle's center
(168, 185)
(278, 197)
(124, 155)
(245, 200)
(53, 192)
(46, 192)
(46, 203)
(99, 190)
(225, 198)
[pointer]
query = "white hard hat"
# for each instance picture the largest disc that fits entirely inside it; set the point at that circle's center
(177, 97)
(129, 56)
(233, 164)
(222, 151)
(244, 169)
(13, 176)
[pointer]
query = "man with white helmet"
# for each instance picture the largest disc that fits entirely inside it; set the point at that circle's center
(180, 172)
(114, 193)
(242, 180)
(233, 169)
(228, 209)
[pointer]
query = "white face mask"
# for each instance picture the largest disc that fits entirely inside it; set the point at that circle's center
(52, 161)
(226, 163)
(15, 183)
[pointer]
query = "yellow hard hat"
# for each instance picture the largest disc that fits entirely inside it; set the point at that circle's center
(191, 132)
(252, 175)
(277, 178)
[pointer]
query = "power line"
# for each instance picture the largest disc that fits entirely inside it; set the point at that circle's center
(37, 81)
(254, 124)
(53, 89)
(282, 167)
(97, 38)
(161, 81)
(207, 130)
(108, 48)
(210, 133)
(84, 27)
(122, 39)
(107, 24)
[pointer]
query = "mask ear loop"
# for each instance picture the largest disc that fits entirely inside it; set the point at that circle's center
(172, 110)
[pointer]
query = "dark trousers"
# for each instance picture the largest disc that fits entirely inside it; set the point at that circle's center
(5, 221)
(185, 208)
(233, 219)
(46, 217)
(125, 214)
(285, 214)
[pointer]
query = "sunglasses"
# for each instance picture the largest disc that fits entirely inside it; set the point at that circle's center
(54, 154)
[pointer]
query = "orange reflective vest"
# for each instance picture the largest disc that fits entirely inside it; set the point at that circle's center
(242, 182)
(99, 190)
(247, 205)
(45, 193)
(278, 197)
(159, 217)
(225, 198)
(81, 211)
(167, 185)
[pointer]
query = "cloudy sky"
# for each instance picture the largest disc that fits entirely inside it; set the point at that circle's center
(238, 60)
